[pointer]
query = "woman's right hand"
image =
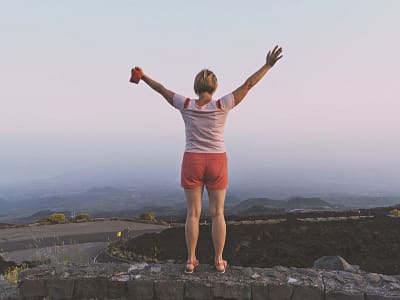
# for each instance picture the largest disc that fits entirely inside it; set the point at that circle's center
(136, 75)
(140, 70)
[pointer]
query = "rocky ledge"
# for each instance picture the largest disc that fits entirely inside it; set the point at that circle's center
(167, 281)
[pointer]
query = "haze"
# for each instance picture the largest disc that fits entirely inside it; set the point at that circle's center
(327, 113)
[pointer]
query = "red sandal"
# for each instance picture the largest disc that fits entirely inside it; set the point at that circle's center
(223, 263)
(195, 264)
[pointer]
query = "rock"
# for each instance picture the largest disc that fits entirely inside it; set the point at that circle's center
(113, 281)
(344, 296)
(116, 289)
(259, 291)
(8, 291)
(31, 289)
(198, 290)
(155, 269)
(169, 290)
(60, 288)
(376, 297)
(230, 290)
(140, 289)
(335, 263)
(280, 292)
(91, 287)
(307, 292)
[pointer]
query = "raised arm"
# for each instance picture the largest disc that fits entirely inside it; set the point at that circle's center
(272, 58)
(158, 87)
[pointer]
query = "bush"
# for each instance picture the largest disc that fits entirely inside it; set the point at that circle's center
(42, 220)
(83, 217)
(395, 212)
(57, 218)
(148, 216)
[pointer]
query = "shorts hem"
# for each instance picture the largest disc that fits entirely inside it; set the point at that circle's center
(207, 187)
(216, 187)
(192, 187)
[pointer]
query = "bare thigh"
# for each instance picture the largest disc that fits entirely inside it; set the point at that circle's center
(217, 201)
(193, 199)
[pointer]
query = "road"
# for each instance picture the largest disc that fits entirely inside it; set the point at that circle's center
(75, 242)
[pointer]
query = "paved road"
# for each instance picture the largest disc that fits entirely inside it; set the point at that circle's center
(79, 244)
(41, 231)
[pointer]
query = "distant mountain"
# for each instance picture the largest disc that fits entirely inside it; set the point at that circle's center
(159, 211)
(37, 215)
(105, 198)
(263, 206)
(42, 214)
(363, 201)
(258, 210)
(305, 203)
(251, 202)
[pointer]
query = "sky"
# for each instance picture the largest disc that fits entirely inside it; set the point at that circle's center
(330, 106)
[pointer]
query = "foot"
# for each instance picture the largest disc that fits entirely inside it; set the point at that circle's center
(221, 266)
(191, 265)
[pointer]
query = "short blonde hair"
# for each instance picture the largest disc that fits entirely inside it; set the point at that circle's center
(205, 81)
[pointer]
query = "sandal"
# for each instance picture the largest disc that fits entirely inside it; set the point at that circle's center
(223, 263)
(195, 264)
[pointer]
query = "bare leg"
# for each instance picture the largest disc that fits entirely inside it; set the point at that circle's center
(218, 231)
(193, 199)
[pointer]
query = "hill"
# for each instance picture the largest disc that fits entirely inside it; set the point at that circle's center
(263, 206)
(307, 203)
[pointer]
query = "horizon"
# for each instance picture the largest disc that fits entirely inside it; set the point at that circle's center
(326, 114)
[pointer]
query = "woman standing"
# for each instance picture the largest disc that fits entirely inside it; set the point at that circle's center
(204, 160)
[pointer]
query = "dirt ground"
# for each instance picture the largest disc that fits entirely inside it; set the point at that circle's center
(372, 243)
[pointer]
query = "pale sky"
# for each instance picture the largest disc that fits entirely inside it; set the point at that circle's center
(330, 104)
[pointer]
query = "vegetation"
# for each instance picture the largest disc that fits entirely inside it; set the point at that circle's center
(57, 218)
(12, 273)
(395, 212)
(83, 217)
(148, 216)
(43, 220)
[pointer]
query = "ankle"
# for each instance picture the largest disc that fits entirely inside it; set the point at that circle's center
(218, 259)
(191, 258)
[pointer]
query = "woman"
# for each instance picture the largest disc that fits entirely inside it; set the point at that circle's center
(204, 160)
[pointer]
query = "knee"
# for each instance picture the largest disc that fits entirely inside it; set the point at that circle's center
(193, 215)
(216, 215)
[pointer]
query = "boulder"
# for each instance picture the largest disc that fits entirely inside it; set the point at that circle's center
(335, 263)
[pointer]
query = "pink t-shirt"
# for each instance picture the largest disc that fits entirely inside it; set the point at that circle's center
(204, 125)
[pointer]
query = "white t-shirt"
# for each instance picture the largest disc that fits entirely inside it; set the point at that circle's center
(204, 125)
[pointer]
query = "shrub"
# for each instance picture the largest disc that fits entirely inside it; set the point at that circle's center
(57, 218)
(42, 220)
(83, 217)
(148, 216)
(395, 212)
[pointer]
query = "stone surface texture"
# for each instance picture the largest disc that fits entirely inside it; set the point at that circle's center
(167, 281)
(335, 263)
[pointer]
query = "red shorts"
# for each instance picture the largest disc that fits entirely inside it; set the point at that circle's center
(210, 169)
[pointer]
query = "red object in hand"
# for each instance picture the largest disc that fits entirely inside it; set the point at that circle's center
(136, 74)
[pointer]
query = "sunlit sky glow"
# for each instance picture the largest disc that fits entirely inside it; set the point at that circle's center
(332, 102)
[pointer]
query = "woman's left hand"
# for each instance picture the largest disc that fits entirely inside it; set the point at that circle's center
(274, 56)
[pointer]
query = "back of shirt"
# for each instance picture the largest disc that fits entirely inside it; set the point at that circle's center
(204, 125)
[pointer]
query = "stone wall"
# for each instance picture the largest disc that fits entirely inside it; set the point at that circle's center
(167, 281)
